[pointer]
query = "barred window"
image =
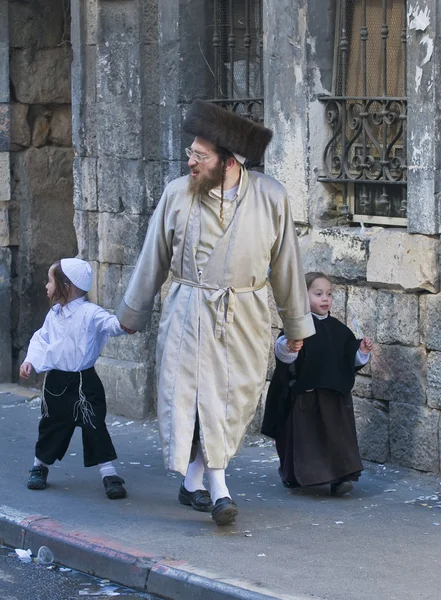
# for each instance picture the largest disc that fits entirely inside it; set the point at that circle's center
(237, 67)
(366, 152)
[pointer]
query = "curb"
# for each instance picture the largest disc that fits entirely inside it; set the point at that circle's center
(108, 558)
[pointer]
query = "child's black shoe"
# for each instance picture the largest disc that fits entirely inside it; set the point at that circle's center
(38, 477)
(338, 489)
(113, 484)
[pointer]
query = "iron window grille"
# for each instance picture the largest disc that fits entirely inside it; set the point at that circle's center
(237, 57)
(366, 153)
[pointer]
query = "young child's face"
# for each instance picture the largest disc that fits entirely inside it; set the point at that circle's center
(50, 285)
(320, 296)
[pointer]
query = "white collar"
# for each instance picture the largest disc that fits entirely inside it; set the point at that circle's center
(320, 317)
(68, 309)
(216, 193)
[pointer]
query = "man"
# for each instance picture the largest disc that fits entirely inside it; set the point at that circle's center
(222, 232)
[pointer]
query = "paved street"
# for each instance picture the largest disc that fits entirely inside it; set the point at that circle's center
(381, 542)
(29, 581)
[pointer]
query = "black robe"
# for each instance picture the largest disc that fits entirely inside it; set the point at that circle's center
(315, 430)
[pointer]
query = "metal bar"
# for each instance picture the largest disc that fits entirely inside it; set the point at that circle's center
(216, 46)
(384, 36)
(247, 44)
(364, 116)
(231, 46)
(260, 38)
(404, 46)
(364, 37)
(344, 44)
(384, 161)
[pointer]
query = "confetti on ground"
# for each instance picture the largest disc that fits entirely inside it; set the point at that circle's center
(129, 422)
(261, 554)
(134, 463)
(339, 522)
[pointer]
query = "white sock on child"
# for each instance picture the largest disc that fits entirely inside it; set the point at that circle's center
(218, 487)
(195, 473)
(107, 469)
(38, 463)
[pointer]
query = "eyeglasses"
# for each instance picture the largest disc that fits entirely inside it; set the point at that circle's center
(196, 156)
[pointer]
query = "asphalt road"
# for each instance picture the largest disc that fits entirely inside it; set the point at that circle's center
(30, 581)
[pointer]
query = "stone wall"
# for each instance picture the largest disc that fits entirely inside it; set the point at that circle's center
(40, 139)
(118, 171)
(5, 197)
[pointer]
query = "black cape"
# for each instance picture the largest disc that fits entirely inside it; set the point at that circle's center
(327, 360)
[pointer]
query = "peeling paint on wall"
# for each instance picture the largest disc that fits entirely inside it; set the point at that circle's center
(418, 19)
(426, 39)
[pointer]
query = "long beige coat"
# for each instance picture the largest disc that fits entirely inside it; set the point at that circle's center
(215, 329)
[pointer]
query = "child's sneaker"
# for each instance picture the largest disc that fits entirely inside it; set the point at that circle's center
(113, 484)
(38, 477)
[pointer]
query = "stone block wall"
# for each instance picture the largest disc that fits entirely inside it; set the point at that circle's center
(118, 172)
(5, 197)
(40, 156)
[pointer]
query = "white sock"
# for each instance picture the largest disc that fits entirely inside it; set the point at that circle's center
(218, 487)
(38, 463)
(107, 469)
(195, 473)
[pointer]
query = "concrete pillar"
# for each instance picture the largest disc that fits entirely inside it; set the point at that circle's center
(423, 116)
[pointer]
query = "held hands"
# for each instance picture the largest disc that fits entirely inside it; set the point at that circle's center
(294, 345)
(129, 331)
(25, 370)
(366, 345)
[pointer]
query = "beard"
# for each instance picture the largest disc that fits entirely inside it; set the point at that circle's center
(207, 179)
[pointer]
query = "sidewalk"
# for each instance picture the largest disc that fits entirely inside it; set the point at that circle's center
(381, 543)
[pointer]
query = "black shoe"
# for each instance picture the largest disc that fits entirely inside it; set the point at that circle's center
(38, 477)
(199, 500)
(114, 488)
(224, 512)
(338, 489)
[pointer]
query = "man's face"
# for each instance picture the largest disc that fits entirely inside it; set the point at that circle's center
(205, 167)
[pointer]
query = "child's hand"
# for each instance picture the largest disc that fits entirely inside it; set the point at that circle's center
(294, 345)
(25, 370)
(366, 345)
(129, 331)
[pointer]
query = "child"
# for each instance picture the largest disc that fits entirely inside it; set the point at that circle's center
(309, 408)
(66, 349)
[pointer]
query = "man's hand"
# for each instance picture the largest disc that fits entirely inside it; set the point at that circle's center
(25, 370)
(129, 331)
(294, 345)
(366, 345)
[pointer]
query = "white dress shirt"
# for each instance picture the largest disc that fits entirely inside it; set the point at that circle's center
(286, 356)
(72, 337)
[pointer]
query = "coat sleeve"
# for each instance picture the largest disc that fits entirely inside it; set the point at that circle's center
(150, 272)
(287, 278)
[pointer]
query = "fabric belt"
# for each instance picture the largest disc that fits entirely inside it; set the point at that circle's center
(225, 296)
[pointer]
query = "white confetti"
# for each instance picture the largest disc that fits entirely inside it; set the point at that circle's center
(261, 554)
(339, 522)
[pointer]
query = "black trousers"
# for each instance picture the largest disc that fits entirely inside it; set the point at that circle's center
(55, 430)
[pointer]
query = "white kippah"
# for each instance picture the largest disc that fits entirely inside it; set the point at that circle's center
(78, 271)
(240, 159)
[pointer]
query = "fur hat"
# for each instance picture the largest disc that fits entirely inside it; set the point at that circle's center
(78, 271)
(228, 130)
